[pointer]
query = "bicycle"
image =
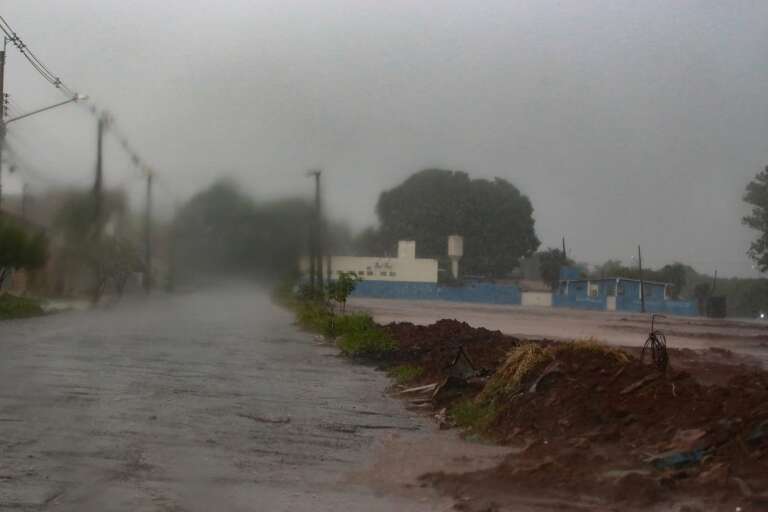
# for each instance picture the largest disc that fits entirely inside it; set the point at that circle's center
(657, 345)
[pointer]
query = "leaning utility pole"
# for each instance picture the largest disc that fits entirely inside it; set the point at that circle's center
(148, 235)
(642, 285)
(2, 116)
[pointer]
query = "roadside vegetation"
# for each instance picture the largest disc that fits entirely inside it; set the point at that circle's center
(12, 306)
(324, 312)
(406, 373)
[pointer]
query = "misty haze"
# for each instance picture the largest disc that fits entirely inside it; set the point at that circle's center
(413, 256)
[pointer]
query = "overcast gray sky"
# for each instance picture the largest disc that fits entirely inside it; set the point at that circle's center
(625, 122)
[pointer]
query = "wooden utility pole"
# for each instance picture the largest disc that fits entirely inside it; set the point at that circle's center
(24, 198)
(315, 267)
(642, 285)
(319, 242)
(565, 254)
(148, 235)
(98, 179)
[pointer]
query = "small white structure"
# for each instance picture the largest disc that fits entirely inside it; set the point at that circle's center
(406, 249)
(455, 252)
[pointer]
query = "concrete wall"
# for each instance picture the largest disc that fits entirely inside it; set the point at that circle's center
(579, 302)
(543, 299)
(409, 270)
(484, 293)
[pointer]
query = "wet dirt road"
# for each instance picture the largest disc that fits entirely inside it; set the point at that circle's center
(198, 402)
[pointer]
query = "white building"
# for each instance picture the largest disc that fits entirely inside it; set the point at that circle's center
(405, 268)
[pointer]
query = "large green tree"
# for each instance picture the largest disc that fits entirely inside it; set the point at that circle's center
(493, 216)
(756, 196)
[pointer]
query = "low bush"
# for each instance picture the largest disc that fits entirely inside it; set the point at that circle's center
(315, 316)
(369, 342)
(472, 415)
(406, 373)
(12, 306)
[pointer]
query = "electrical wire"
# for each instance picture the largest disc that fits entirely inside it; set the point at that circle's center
(36, 63)
(54, 79)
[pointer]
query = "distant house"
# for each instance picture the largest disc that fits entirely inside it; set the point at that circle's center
(620, 294)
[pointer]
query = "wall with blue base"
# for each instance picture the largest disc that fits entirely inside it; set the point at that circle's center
(490, 293)
(671, 307)
(484, 293)
(579, 302)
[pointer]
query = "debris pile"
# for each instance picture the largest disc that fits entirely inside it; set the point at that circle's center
(594, 421)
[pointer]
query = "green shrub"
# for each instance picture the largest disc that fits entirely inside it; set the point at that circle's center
(357, 322)
(406, 373)
(12, 306)
(316, 317)
(371, 342)
(473, 415)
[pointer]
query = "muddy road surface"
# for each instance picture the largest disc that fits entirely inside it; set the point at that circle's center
(746, 338)
(198, 402)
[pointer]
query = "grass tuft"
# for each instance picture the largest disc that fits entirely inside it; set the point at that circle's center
(373, 342)
(406, 373)
(473, 415)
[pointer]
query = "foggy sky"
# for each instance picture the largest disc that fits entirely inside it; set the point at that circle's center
(625, 122)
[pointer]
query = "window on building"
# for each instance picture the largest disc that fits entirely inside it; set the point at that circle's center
(392, 274)
(369, 273)
(611, 289)
(594, 289)
(383, 274)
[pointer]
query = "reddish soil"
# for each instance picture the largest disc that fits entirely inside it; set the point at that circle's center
(434, 347)
(589, 432)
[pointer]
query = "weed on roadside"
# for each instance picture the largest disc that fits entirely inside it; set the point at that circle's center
(405, 373)
(12, 306)
(473, 415)
(371, 342)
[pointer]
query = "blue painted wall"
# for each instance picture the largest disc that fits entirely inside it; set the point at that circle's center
(490, 293)
(484, 293)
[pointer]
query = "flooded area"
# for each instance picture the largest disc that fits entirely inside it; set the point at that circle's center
(199, 402)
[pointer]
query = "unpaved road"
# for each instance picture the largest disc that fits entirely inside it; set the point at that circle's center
(616, 328)
(201, 403)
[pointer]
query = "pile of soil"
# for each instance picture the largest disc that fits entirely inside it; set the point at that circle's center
(599, 424)
(434, 347)
(603, 424)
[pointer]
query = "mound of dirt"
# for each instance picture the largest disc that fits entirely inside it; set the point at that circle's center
(434, 347)
(598, 421)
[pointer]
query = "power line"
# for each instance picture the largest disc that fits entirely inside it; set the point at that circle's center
(54, 79)
(36, 63)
